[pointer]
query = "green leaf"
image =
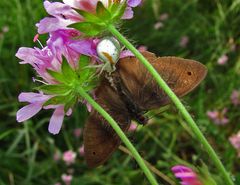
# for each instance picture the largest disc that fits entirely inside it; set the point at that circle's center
(117, 11)
(102, 12)
(70, 103)
(57, 100)
(57, 76)
(68, 73)
(89, 17)
(90, 29)
(54, 89)
(84, 61)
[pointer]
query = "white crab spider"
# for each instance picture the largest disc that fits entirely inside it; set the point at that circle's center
(108, 50)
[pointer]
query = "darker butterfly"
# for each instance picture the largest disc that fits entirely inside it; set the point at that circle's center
(130, 93)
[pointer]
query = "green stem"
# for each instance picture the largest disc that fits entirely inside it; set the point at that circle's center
(176, 101)
(121, 134)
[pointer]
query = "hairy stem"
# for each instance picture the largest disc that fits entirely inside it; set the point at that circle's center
(176, 101)
(120, 133)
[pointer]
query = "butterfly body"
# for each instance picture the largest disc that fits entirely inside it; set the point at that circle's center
(131, 91)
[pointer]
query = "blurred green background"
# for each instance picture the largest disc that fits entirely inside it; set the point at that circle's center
(204, 30)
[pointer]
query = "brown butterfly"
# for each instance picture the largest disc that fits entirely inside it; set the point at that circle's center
(130, 94)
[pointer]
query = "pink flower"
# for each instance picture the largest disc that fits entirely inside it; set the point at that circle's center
(235, 97)
(77, 132)
(67, 179)
(57, 156)
(184, 41)
(235, 141)
(187, 175)
(69, 157)
(158, 25)
(133, 127)
(63, 14)
(163, 17)
(218, 117)
(223, 60)
(40, 60)
(81, 151)
(5, 29)
(59, 44)
(62, 43)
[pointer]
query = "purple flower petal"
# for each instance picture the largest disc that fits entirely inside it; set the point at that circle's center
(56, 120)
(134, 3)
(50, 24)
(61, 11)
(28, 111)
(32, 97)
(128, 14)
(85, 47)
(126, 53)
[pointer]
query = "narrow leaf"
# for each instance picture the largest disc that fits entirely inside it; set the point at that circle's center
(88, 28)
(57, 100)
(68, 73)
(88, 16)
(57, 76)
(102, 12)
(54, 89)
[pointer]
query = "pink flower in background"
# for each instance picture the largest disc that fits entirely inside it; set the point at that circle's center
(58, 183)
(57, 156)
(184, 41)
(218, 117)
(223, 60)
(235, 97)
(69, 157)
(235, 141)
(77, 132)
(81, 151)
(5, 29)
(67, 179)
(133, 127)
(187, 175)
(158, 25)
(163, 17)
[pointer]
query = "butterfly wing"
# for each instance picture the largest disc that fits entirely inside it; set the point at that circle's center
(182, 76)
(100, 140)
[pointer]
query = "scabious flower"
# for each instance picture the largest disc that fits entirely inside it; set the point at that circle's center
(235, 141)
(218, 117)
(67, 179)
(48, 63)
(235, 97)
(187, 175)
(222, 60)
(69, 157)
(65, 14)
